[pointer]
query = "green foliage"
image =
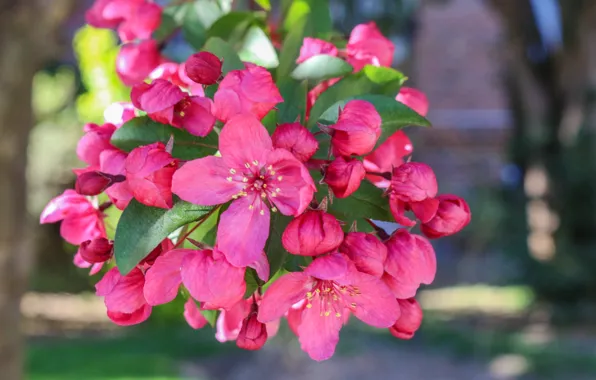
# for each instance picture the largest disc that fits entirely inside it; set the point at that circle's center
(294, 105)
(276, 253)
(371, 80)
(257, 48)
(143, 131)
(142, 228)
(226, 52)
(265, 4)
(321, 67)
(290, 48)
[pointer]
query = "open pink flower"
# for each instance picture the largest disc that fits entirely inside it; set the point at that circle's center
(331, 287)
(251, 90)
(452, 216)
(136, 61)
(357, 129)
(81, 221)
(95, 140)
(368, 46)
(149, 171)
(211, 279)
(411, 261)
(110, 13)
(167, 103)
(123, 296)
(366, 251)
(386, 157)
(413, 98)
(314, 46)
(409, 321)
(413, 187)
(113, 161)
(256, 177)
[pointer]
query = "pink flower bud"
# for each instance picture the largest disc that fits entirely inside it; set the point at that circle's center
(312, 233)
(414, 182)
(97, 250)
(409, 321)
(136, 61)
(297, 139)
(452, 216)
(413, 98)
(253, 334)
(144, 19)
(344, 176)
(357, 129)
(203, 68)
(93, 183)
(411, 261)
(366, 252)
(149, 171)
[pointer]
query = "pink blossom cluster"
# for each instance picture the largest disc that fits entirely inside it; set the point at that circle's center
(254, 175)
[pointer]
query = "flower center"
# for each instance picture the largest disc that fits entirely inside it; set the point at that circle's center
(256, 178)
(332, 297)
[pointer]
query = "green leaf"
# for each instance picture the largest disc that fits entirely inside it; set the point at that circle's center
(202, 233)
(143, 131)
(210, 316)
(193, 30)
(141, 228)
(252, 282)
(367, 202)
(265, 4)
(224, 51)
(370, 80)
(294, 105)
(395, 115)
(317, 14)
(276, 253)
(257, 48)
(207, 11)
(232, 27)
(290, 49)
(321, 67)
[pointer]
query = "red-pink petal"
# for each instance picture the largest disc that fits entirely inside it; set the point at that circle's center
(413, 98)
(127, 295)
(163, 279)
(128, 319)
(426, 209)
(261, 266)
(319, 334)
(193, 316)
(198, 119)
(314, 46)
(330, 267)
(107, 282)
(375, 303)
(229, 322)
(243, 230)
(159, 95)
(282, 294)
(244, 140)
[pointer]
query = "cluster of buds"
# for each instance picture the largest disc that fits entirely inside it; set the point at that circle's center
(371, 275)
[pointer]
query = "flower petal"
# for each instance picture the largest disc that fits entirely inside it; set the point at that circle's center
(244, 140)
(128, 319)
(375, 303)
(282, 294)
(193, 316)
(203, 181)
(330, 267)
(243, 230)
(319, 334)
(163, 279)
(127, 295)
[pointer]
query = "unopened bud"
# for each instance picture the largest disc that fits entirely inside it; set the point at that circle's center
(312, 233)
(344, 176)
(93, 183)
(97, 250)
(203, 68)
(253, 334)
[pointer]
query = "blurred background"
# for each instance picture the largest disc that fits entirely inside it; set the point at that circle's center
(511, 85)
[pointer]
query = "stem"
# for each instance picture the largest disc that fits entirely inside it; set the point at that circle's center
(199, 223)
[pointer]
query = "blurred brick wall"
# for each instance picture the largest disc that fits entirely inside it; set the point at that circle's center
(455, 65)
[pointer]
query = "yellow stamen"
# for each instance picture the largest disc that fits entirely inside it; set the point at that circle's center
(337, 315)
(280, 177)
(278, 190)
(274, 209)
(247, 165)
(327, 313)
(308, 305)
(232, 171)
(229, 179)
(255, 162)
(262, 212)
(250, 207)
(244, 179)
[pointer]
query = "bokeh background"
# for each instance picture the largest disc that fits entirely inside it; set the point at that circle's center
(511, 85)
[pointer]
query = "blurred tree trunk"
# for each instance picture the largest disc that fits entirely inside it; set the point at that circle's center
(551, 84)
(28, 39)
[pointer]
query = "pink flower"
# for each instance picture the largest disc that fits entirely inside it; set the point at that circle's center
(256, 177)
(119, 113)
(113, 162)
(163, 278)
(193, 316)
(230, 320)
(211, 279)
(411, 261)
(312, 233)
(167, 103)
(253, 334)
(136, 60)
(297, 139)
(79, 262)
(123, 297)
(386, 157)
(149, 171)
(314, 46)
(357, 129)
(251, 90)
(331, 287)
(109, 13)
(366, 251)
(95, 140)
(413, 187)
(203, 68)
(344, 176)
(97, 250)
(453, 214)
(143, 20)
(368, 46)
(410, 320)
(81, 221)
(413, 98)
(166, 245)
